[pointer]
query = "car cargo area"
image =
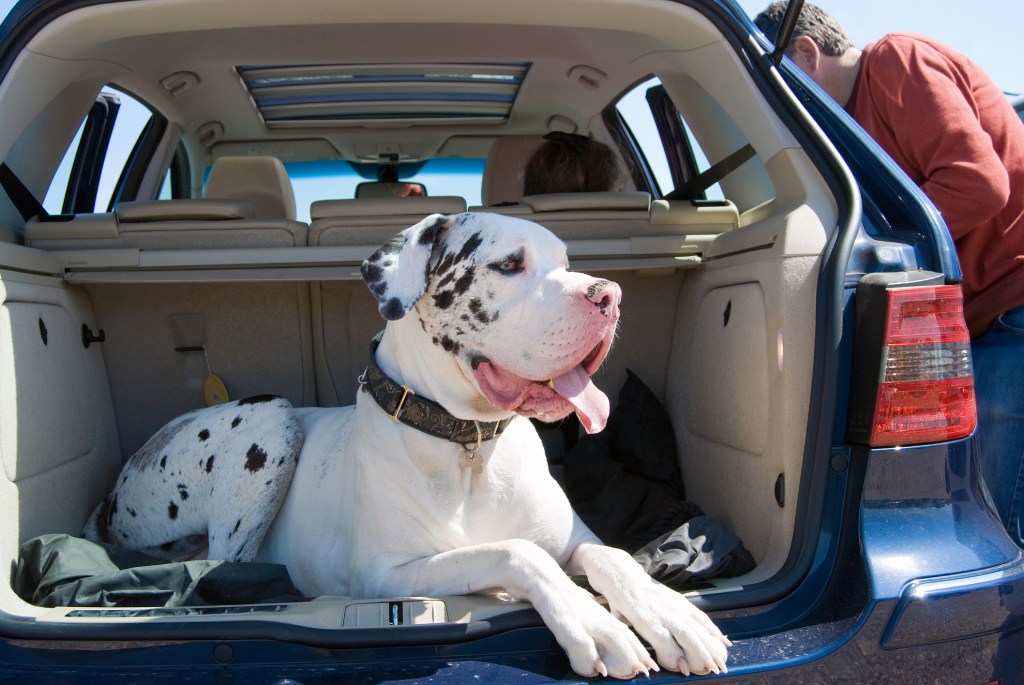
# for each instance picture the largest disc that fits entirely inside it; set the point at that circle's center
(111, 321)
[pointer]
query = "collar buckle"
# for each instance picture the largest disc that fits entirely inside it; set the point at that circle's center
(406, 391)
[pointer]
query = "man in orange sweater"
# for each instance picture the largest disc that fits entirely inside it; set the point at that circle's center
(952, 130)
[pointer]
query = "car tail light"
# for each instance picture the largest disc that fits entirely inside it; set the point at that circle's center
(914, 382)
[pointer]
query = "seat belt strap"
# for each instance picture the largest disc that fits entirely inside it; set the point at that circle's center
(712, 175)
(24, 201)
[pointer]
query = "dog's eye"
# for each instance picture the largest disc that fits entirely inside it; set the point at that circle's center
(512, 264)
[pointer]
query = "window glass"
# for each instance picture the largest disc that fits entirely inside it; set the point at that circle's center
(132, 118)
(636, 112)
(337, 180)
(165, 187)
(129, 122)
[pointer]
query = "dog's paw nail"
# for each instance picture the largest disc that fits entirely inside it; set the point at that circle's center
(652, 664)
(726, 641)
(599, 667)
(721, 665)
(710, 665)
(682, 666)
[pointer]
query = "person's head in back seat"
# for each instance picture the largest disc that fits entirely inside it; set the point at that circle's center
(570, 163)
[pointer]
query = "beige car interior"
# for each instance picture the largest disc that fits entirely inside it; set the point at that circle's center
(277, 305)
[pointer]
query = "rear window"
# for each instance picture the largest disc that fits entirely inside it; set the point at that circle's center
(88, 176)
(337, 179)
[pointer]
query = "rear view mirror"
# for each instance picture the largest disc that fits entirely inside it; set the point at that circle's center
(385, 189)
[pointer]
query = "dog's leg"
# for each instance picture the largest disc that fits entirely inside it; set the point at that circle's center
(682, 635)
(595, 641)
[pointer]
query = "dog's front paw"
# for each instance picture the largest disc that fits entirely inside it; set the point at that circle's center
(683, 637)
(596, 642)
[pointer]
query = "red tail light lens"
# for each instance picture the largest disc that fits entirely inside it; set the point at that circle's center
(926, 382)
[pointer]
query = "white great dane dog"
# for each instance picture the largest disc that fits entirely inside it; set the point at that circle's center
(398, 497)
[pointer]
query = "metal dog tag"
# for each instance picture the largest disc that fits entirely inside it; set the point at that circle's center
(469, 459)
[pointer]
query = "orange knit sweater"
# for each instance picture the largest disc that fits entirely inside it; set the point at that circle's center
(951, 129)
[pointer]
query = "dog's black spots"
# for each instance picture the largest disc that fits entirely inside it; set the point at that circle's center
(464, 281)
(444, 299)
(373, 275)
(111, 510)
(446, 263)
(392, 310)
(255, 459)
(728, 312)
(163, 462)
(124, 535)
(182, 491)
(429, 233)
(258, 399)
(132, 512)
(448, 278)
(476, 306)
(172, 511)
(394, 245)
(204, 435)
(268, 483)
(476, 359)
(209, 464)
(450, 345)
(371, 272)
(471, 245)
(238, 524)
(237, 420)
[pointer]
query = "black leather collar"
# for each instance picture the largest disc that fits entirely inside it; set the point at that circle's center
(405, 406)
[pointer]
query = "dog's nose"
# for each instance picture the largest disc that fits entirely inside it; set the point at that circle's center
(606, 296)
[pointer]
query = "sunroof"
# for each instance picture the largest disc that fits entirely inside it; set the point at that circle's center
(317, 95)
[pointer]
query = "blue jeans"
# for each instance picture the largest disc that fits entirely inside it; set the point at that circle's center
(999, 386)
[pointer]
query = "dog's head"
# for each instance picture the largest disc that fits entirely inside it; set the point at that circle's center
(496, 292)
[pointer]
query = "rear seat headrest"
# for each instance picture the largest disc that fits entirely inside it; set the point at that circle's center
(626, 200)
(503, 170)
(261, 181)
(183, 210)
(417, 205)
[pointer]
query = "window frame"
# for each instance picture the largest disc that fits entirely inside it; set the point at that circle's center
(87, 167)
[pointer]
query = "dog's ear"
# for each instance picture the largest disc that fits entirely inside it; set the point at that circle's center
(397, 273)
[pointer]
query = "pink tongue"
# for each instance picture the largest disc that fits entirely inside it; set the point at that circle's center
(590, 403)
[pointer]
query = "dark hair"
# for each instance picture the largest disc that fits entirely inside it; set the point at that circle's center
(570, 163)
(813, 22)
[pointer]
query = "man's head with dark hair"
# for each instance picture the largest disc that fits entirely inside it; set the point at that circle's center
(814, 22)
(819, 46)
